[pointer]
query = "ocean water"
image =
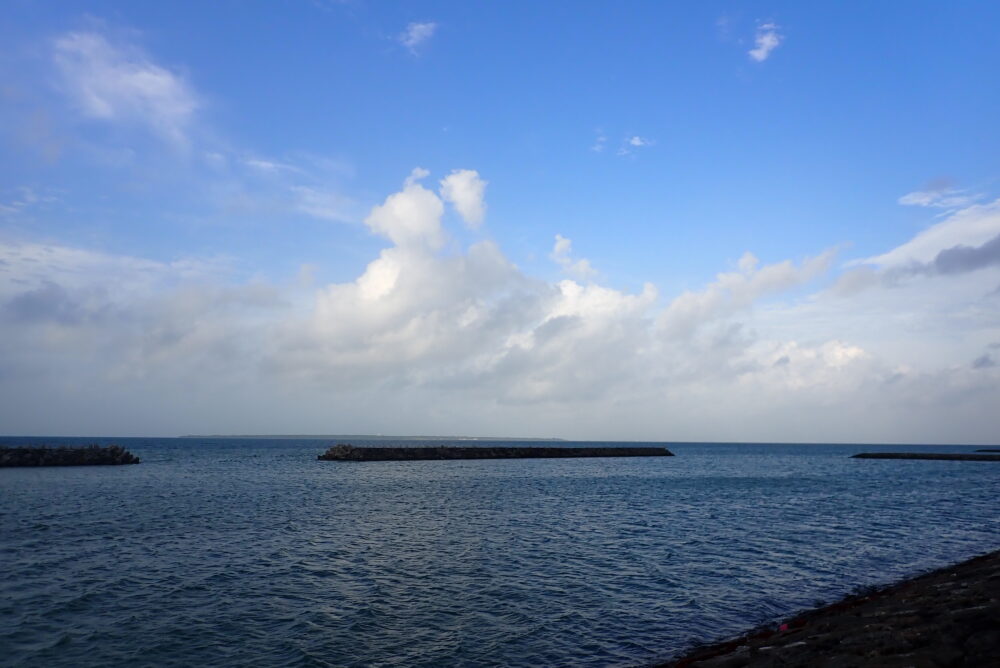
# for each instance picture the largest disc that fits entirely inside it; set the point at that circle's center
(251, 552)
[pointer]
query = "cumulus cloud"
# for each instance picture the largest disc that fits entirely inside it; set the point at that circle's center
(465, 190)
(119, 83)
(411, 217)
(416, 34)
(562, 255)
(766, 40)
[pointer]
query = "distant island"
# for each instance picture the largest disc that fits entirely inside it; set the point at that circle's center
(366, 437)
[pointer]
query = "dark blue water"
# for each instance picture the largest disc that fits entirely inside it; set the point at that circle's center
(232, 553)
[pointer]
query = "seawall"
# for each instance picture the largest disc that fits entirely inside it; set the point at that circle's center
(350, 453)
(947, 617)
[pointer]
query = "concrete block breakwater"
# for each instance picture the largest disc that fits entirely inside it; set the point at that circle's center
(343, 452)
(958, 457)
(90, 455)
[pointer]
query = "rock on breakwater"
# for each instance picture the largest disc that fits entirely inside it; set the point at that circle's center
(344, 452)
(957, 457)
(90, 455)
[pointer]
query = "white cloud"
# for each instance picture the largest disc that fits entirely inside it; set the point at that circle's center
(633, 142)
(562, 255)
(465, 190)
(119, 83)
(766, 40)
(732, 291)
(972, 226)
(410, 217)
(416, 34)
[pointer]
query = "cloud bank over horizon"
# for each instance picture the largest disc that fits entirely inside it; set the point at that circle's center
(434, 339)
(160, 276)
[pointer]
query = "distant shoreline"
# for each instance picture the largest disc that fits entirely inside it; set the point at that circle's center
(366, 437)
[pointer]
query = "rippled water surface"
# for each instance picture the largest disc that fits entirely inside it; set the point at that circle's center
(232, 553)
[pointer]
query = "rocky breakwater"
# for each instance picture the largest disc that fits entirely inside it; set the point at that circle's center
(90, 455)
(953, 457)
(343, 452)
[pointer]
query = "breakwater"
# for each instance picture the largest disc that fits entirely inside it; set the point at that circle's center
(958, 457)
(348, 453)
(90, 455)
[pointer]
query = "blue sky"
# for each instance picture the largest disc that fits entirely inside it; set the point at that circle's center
(187, 217)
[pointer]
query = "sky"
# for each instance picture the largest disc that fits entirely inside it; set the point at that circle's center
(714, 221)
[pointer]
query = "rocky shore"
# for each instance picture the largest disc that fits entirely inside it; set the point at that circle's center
(344, 452)
(90, 455)
(951, 457)
(946, 618)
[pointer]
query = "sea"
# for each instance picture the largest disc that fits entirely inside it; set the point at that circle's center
(239, 552)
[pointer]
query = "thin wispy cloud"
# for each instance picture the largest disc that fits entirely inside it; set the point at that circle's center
(417, 34)
(600, 142)
(724, 26)
(120, 83)
(270, 165)
(324, 204)
(766, 40)
(939, 197)
(20, 199)
(113, 80)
